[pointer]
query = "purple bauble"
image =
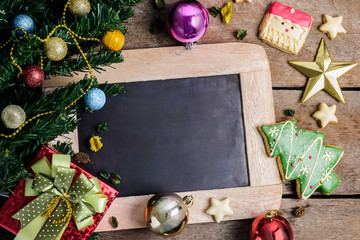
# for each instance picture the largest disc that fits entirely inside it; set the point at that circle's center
(187, 20)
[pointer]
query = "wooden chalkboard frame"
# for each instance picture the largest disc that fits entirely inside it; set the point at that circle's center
(248, 60)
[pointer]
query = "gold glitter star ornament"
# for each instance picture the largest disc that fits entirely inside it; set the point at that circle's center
(323, 74)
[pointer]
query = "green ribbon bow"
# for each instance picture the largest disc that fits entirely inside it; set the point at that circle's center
(47, 216)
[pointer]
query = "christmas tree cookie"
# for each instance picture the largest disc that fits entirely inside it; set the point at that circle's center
(302, 156)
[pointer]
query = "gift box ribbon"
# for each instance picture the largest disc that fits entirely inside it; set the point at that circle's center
(47, 216)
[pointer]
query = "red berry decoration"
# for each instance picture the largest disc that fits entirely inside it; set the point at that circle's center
(271, 226)
(33, 76)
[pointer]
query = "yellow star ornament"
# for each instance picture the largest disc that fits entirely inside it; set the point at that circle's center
(323, 74)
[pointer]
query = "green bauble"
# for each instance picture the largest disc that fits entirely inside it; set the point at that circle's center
(13, 116)
(79, 7)
(56, 49)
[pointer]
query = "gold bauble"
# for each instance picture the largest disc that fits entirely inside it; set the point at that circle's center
(113, 40)
(166, 214)
(56, 49)
(79, 7)
(13, 116)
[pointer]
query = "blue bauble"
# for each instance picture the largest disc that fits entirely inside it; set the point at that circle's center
(25, 22)
(95, 99)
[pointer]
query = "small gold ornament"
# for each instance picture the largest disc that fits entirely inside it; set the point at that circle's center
(79, 7)
(323, 74)
(166, 214)
(113, 40)
(13, 116)
(56, 49)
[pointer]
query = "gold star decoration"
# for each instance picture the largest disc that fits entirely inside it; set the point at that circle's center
(332, 26)
(219, 209)
(323, 74)
(325, 114)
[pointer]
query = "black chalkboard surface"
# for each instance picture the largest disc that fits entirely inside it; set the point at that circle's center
(174, 135)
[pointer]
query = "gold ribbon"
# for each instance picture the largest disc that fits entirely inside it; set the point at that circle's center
(47, 216)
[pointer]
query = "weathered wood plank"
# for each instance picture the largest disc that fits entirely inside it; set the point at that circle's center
(175, 62)
(345, 134)
(147, 29)
(324, 219)
(244, 202)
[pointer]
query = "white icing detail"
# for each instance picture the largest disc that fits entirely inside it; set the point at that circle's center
(312, 171)
(273, 33)
(291, 144)
(288, 160)
(273, 131)
(288, 21)
(326, 176)
(327, 156)
(292, 10)
(304, 170)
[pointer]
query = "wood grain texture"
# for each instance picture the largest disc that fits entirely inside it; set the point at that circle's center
(321, 221)
(147, 29)
(243, 201)
(334, 219)
(345, 134)
(248, 60)
(154, 64)
(257, 109)
(327, 217)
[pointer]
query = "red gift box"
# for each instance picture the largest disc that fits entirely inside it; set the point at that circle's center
(17, 201)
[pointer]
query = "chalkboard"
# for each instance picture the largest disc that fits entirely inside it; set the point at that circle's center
(176, 135)
(187, 119)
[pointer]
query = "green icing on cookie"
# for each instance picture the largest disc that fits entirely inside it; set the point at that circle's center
(303, 156)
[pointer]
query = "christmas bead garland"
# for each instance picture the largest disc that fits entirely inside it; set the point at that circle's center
(74, 36)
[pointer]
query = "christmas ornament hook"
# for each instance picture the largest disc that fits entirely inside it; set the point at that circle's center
(272, 213)
(188, 200)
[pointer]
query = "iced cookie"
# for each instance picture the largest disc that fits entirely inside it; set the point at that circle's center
(285, 28)
(332, 26)
(219, 209)
(325, 114)
(302, 156)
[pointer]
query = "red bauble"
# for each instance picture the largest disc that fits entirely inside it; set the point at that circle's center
(271, 226)
(33, 76)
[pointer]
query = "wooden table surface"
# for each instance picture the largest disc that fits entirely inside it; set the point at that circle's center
(327, 217)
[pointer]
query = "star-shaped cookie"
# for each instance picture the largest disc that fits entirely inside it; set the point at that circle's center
(332, 26)
(219, 209)
(325, 114)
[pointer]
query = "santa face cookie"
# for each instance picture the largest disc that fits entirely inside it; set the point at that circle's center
(285, 28)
